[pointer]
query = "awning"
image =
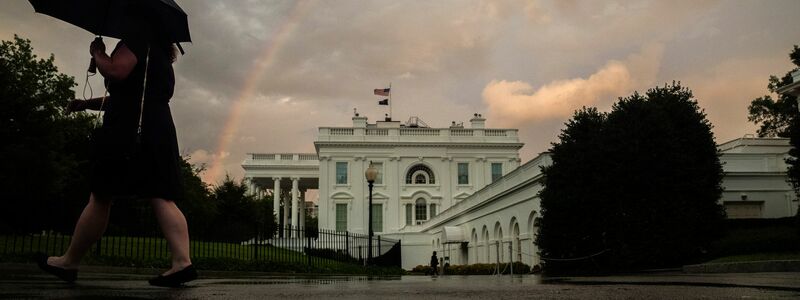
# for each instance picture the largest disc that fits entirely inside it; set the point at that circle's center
(452, 235)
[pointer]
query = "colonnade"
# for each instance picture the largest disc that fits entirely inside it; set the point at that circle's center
(293, 205)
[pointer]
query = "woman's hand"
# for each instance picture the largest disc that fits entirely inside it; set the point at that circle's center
(76, 105)
(97, 46)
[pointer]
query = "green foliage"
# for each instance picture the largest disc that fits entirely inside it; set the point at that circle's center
(639, 185)
(243, 217)
(477, 269)
(756, 236)
(793, 171)
(43, 149)
(775, 116)
(197, 205)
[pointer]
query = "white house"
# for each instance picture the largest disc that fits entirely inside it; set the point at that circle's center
(462, 190)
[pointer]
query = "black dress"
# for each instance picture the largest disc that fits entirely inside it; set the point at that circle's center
(155, 171)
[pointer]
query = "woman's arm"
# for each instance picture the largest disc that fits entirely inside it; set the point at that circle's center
(117, 67)
(92, 104)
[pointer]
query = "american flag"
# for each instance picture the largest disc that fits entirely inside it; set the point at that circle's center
(382, 92)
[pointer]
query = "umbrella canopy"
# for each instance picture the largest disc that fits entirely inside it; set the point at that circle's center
(111, 17)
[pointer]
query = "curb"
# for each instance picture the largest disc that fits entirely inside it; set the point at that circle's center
(746, 267)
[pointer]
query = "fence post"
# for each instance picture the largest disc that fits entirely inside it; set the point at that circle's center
(255, 250)
(379, 245)
(97, 248)
(308, 247)
(347, 243)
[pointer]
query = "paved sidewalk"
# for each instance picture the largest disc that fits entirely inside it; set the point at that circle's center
(23, 282)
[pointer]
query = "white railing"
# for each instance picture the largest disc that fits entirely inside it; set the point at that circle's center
(283, 156)
(373, 131)
(262, 156)
(309, 157)
(419, 131)
(341, 131)
(461, 132)
(495, 132)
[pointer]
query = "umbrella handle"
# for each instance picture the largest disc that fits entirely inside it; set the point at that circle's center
(92, 65)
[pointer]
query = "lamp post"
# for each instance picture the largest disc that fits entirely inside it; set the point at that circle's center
(370, 174)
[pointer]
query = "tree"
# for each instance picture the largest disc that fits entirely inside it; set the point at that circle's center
(774, 116)
(197, 205)
(239, 216)
(635, 188)
(43, 149)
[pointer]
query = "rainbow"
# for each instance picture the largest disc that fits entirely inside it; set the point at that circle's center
(264, 61)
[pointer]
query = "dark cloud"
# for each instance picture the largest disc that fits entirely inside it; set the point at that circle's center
(445, 60)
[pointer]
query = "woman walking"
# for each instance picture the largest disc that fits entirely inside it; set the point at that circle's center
(136, 150)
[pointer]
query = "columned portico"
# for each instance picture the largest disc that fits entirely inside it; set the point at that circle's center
(289, 175)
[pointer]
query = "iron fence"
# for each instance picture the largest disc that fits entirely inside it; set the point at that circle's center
(293, 245)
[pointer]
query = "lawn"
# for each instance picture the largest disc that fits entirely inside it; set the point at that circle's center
(757, 239)
(154, 252)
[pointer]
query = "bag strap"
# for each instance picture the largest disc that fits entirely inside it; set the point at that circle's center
(144, 90)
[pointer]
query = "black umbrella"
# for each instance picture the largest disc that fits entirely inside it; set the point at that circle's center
(110, 17)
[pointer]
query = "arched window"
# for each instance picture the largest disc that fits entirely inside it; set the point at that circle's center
(420, 174)
(421, 210)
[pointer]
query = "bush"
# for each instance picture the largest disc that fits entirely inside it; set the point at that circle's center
(477, 269)
(338, 255)
(752, 236)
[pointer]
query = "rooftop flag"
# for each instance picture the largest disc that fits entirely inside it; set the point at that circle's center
(383, 102)
(383, 92)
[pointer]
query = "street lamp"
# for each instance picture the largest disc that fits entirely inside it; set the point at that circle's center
(370, 174)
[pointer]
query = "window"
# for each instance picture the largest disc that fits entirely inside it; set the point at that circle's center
(497, 171)
(421, 210)
(378, 166)
(420, 179)
(463, 173)
(377, 217)
(412, 177)
(433, 210)
(341, 172)
(744, 209)
(341, 216)
(409, 211)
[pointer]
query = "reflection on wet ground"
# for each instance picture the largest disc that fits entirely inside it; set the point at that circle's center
(31, 284)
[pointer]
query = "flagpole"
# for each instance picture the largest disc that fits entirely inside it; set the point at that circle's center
(390, 101)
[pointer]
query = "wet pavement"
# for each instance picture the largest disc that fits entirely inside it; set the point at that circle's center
(28, 283)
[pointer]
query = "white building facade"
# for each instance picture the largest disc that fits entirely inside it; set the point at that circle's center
(462, 190)
(421, 171)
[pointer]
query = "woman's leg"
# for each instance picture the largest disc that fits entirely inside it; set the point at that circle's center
(90, 227)
(173, 225)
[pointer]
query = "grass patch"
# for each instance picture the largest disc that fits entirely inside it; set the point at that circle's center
(756, 239)
(148, 252)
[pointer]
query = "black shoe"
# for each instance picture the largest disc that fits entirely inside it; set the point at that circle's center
(68, 275)
(175, 279)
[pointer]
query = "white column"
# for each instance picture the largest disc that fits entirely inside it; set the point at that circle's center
(249, 185)
(285, 214)
(303, 209)
(276, 201)
(295, 216)
(413, 214)
(427, 211)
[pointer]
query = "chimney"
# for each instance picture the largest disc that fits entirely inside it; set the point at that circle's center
(478, 121)
(359, 121)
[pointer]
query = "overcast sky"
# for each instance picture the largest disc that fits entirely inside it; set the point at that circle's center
(261, 76)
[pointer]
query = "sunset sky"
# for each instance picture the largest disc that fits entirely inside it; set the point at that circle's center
(261, 76)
